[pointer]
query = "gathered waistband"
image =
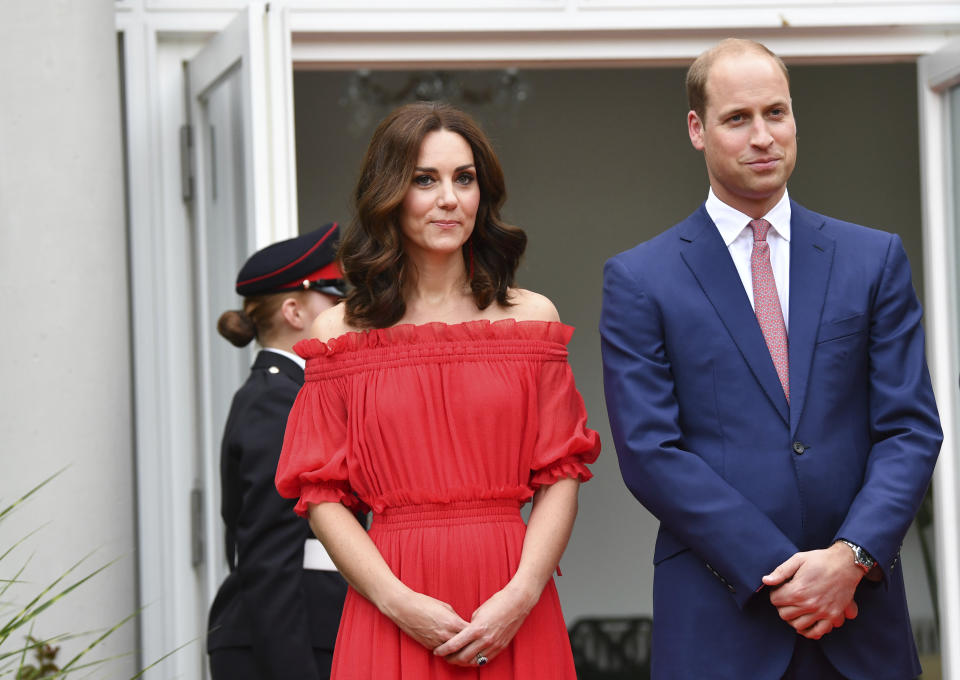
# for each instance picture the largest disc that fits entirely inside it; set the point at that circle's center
(440, 514)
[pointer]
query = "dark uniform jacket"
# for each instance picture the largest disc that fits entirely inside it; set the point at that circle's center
(269, 602)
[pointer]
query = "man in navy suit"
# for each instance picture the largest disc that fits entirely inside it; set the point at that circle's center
(770, 403)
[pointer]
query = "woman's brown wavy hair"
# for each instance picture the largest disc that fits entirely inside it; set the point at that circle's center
(371, 251)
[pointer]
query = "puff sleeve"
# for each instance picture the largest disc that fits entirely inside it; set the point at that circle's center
(565, 445)
(313, 464)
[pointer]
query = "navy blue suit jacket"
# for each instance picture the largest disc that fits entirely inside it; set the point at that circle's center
(739, 479)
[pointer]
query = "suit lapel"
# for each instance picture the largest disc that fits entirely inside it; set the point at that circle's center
(811, 260)
(708, 258)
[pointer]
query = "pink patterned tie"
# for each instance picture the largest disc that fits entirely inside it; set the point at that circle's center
(766, 303)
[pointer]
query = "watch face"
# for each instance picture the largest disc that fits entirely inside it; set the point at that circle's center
(863, 558)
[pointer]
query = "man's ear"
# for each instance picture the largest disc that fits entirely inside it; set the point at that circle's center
(695, 129)
(293, 313)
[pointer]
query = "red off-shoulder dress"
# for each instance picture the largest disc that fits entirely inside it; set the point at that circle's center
(444, 431)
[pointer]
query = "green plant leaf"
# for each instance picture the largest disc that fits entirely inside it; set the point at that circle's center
(158, 661)
(14, 662)
(36, 607)
(110, 631)
(16, 577)
(10, 508)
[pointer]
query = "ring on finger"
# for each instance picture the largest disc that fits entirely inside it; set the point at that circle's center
(481, 659)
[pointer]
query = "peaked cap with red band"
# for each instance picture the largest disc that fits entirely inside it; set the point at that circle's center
(305, 262)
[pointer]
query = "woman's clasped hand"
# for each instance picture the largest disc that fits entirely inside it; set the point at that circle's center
(491, 628)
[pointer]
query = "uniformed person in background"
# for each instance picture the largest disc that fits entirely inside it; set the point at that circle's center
(276, 615)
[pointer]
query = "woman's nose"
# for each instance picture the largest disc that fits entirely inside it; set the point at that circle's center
(447, 197)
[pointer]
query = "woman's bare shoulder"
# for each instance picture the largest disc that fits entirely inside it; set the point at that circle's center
(530, 306)
(331, 323)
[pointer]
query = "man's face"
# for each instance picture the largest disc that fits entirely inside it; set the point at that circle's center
(748, 135)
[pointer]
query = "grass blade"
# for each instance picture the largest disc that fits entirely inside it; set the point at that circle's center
(10, 508)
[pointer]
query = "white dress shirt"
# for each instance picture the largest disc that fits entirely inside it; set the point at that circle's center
(301, 362)
(735, 231)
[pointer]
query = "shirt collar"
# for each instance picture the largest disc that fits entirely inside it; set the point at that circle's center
(298, 360)
(731, 222)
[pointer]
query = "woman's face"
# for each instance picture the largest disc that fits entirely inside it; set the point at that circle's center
(440, 207)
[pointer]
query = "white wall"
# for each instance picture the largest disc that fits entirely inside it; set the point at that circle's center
(64, 352)
(598, 160)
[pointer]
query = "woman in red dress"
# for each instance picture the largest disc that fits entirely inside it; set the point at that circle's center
(439, 396)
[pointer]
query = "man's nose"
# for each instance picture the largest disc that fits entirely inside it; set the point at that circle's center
(760, 134)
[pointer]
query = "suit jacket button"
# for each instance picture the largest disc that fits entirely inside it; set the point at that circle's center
(273, 369)
(799, 448)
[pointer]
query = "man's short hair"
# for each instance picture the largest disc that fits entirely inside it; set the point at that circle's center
(700, 68)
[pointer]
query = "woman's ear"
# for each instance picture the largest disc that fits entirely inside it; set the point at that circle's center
(293, 314)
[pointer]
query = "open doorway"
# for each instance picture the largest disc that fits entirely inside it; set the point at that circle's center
(597, 160)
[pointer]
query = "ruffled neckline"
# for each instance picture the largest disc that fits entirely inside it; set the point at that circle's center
(437, 332)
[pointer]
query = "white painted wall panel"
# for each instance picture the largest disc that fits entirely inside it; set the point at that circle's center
(65, 391)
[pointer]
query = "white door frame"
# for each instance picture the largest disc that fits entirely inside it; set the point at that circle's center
(159, 34)
(227, 54)
(170, 442)
(163, 333)
(937, 74)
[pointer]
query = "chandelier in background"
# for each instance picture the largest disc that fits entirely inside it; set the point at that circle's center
(368, 101)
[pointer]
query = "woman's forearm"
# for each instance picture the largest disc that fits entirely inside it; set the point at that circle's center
(427, 620)
(355, 555)
(548, 531)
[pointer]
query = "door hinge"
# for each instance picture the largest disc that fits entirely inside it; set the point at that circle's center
(196, 526)
(186, 163)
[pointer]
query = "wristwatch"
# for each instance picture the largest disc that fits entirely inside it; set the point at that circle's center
(861, 557)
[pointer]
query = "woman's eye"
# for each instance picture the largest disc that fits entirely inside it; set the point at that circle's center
(465, 178)
(423, 180)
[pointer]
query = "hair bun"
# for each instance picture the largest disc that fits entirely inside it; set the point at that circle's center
(236, 327)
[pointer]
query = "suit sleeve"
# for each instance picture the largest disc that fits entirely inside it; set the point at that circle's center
(904, 425)
(693, 503)
(270, 538)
